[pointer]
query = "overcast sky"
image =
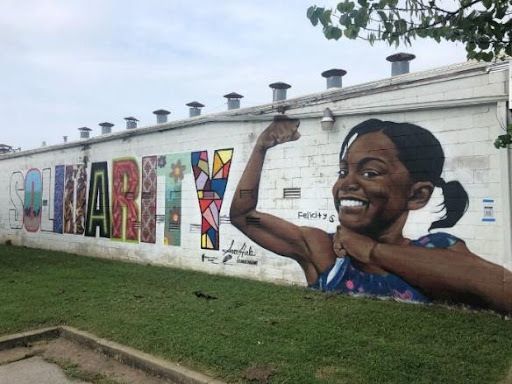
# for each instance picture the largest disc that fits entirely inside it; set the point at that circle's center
(67, 64)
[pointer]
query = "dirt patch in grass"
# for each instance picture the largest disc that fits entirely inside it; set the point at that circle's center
(259, 373)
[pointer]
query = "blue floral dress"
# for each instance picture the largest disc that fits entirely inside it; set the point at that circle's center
(344, 276)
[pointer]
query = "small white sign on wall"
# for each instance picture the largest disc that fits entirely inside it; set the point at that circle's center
(488, 210)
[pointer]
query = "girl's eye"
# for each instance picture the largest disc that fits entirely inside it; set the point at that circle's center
(368, 173)
(342, 173)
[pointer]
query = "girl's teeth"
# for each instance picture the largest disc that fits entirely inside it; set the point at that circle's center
(351, 203)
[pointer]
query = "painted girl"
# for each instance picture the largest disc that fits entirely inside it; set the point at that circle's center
(386, 170)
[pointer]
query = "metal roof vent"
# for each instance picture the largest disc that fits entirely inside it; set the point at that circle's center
(279, 91)
(4, 148)
(161, 116)
(195, 108)
(400, 63)
(131, 122)
(84, 132)
(106, 128)
(233, 100)
(333, 77)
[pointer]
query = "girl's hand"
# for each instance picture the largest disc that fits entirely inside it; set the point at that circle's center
(348, 242)
(281, 130)
(338, 247)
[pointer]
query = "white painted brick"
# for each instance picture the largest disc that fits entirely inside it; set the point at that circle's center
(449, 137)
(491, 89)
(455, 93)
(458, 123)
(430, 97)
(484, 148)
(475, 134)
(487, 175)
(460, 149)
(464, 176)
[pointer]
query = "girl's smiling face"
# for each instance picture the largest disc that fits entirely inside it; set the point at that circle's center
(373, 187)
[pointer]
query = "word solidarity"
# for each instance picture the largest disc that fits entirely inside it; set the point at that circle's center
(124, 209)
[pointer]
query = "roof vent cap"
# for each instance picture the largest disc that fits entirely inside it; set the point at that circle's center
(195, 108)
(131, 122)
(400, 63)
(279, 91)
(233, 100)
(333, 77)
(161, 116)
(84, 132)
(106, 128)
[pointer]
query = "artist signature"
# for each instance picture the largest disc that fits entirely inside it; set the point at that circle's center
(243, 254)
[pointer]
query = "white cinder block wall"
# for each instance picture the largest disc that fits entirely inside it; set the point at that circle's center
(464, 106)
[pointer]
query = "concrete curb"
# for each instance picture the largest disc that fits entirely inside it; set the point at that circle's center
(122, 353)
(24, 339)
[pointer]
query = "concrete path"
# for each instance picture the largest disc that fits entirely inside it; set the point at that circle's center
(33, 371)
(24, 360)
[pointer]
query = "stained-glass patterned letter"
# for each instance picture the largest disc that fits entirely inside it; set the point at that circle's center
(210, 192)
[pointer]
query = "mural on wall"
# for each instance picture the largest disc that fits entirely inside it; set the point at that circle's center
(98, 203)
(33, 200)
(210, 192)
(60, 194)
(174, 168)
(386, 170)
(148, 200)
(16, 190)
(58, 198)
(75, 188)
(125, 191)
(47, 201)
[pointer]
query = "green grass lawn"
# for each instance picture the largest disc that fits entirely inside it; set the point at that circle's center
(303, 336)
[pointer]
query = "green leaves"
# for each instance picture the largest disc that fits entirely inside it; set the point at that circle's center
(346, 6)
(351, 32)
(483, 44)
(470, 46)
(311, 15)
(487, 3)
(325, 17)
(331, 32)
(316, 14)
(486, 33)
(503, 141)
